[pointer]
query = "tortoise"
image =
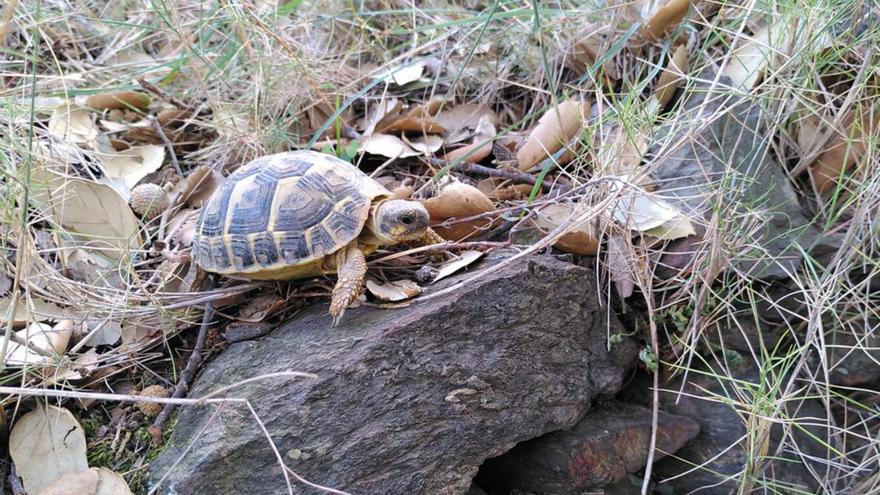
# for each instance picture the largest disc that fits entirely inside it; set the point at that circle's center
(302, 214)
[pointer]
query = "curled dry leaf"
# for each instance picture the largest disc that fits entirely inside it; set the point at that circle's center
(95, 215)
(73, 123)
(133, 164)
(555, 129)
(103, 332)
(584, 53)
(26, 311)
(462, 121)
(399, 290)
(92, 481)
(198, 186)
(464, 259)
(427, 145)
(644, 212)
(121, 100)
(618, 267)
(46, 444)
(480, 148)
(48, 339)
(459, 200)
(580, 238)
(406, 74)
(257, 309)
(671, 77)
(665, 19)
(387, 145)
(182, 226)
(381, 114)
(846, 147)
(747, 61)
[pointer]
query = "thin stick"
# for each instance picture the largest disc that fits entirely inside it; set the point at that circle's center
(473, 168)
(7, 18)
(186, 375)
(157, 126)
(161, 93)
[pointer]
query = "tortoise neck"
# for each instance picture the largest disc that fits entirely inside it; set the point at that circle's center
(372, 234)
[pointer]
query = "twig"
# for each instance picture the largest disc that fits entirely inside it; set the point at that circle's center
(157, 126)
(161, 93)
(186, 375)
(473, 168)
(7, 18)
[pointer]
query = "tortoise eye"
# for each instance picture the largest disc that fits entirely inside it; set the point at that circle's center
(407, 219)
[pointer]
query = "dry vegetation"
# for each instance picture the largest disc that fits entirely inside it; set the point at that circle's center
(530, 124)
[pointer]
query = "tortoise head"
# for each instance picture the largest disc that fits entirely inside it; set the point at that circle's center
(398, 220)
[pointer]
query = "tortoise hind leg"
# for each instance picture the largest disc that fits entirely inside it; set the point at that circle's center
(351, 267)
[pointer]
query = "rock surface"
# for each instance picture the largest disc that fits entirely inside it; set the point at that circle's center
(721, 446)
(715, 156)
(611, 441)
(409, 400)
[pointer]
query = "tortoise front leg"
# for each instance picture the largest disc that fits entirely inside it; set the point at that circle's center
(351, 268)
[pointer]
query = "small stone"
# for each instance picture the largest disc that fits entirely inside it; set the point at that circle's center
(149, 200)
(152, 409)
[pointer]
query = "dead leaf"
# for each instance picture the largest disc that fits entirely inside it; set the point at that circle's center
(580, 239)
(845, 148)
(464, 259)
(744, 68)
(198, 187)
(106, 332)
(182, 226)
(554, 130)
(37, 310)
(427, 145)
(399, 290)
(134, 163)
(120, 100)
(665, 19)
(40, 336)
(672, 75)
(382, 114)
(93, 214)
(46, 444)
(92, 481)
(459, 200)
(644, 212)
(480, 148)
(260, 307)
(461, 122)
(73, 123)
(618, 267)
(386, 145)
(406, 74)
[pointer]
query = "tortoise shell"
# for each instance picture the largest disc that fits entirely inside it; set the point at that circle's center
(280, 216)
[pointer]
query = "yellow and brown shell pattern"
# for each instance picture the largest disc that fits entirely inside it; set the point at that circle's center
(283, 210)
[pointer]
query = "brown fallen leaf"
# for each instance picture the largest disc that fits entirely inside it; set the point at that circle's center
(463, 259)
(555, 129)
(121, 100)
(398, 290)
(46, 444)
(672, 75)
(459, 200)
(25, 311)
(462, 121)
(665, 19)
(845, 148)
(581, 238)
(381, 114)
(618, 267)
(42, 337)
(480, 148)
(198, 187)
(746, 63)
(134, 163)
(92, 481)
(387, 145)
(260, 307)
(426, 145)
(182, 226)
(73, 124)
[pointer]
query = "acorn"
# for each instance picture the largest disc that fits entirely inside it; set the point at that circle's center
(149, 201)
(152, 409)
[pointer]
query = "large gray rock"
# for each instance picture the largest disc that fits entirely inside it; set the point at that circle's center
(715, 160)
(406, 401)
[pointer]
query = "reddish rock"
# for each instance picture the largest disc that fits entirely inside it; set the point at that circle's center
(608, 443)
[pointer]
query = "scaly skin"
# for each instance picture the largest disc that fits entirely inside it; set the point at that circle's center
(351, 269)
(430, 238)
